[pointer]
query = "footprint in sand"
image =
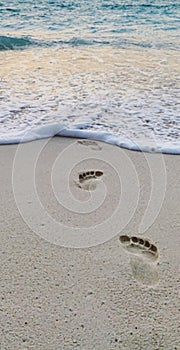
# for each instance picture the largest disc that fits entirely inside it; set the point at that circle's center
(92, 144)
(88, 179)
(143, 259)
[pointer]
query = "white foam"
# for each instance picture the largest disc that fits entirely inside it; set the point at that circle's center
(130, 100)
(49, 131)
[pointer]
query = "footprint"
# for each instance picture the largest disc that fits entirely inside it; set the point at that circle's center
(140, 246)
(89, 175)
(144, 257)
(88, 179)
(92, 144)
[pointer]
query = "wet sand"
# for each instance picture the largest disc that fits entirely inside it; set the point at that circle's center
(67, 280)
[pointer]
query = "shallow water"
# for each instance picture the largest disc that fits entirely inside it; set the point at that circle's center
(110, 73)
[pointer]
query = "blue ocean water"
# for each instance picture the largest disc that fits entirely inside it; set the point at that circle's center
(105, 69)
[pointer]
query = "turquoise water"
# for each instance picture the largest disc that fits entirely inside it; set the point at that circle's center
(103, 22)
(102, 69)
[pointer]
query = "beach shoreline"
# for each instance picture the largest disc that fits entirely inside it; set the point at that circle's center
(66, 280)
(127, 97)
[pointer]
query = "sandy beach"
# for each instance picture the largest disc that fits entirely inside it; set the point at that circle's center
(67, 281)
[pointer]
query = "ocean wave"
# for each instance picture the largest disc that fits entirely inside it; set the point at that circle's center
(14, 43)
(25, 42)
(52, 130)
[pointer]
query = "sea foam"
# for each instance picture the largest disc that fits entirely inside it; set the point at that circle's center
(51, 130)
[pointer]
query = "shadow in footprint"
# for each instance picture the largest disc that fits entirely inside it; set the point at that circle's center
(88, 179)
(143, 258)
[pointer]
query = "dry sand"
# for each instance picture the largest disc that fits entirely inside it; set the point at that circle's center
(102, 296)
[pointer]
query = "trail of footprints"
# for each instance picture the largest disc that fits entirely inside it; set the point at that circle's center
(143, 254)
(88, 179)
(143, 258)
